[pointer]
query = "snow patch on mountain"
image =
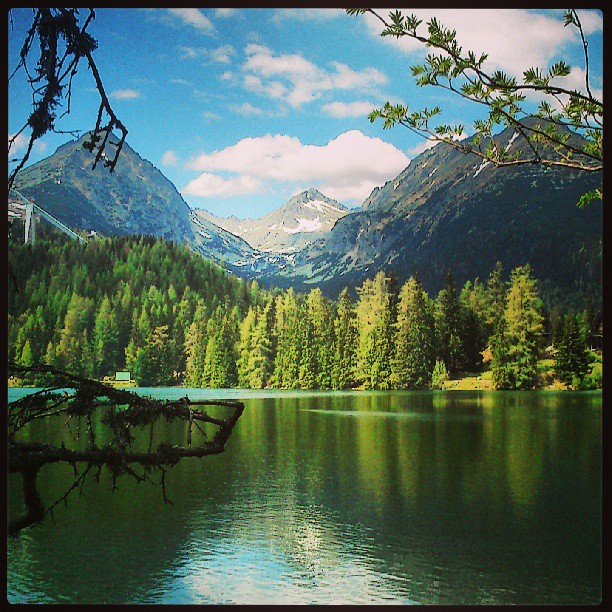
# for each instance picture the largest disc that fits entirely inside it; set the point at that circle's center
(304, 225)
(482, 166)
(320, 206)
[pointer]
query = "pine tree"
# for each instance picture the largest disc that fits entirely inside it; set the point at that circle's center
(195, 348)
(472, 324)
(375, 340)
(152, 366)
(517, 347)
(317, 342)
(496, 294)
(245, 349)
(287, 328)
(105, 339)
(556, 325)
(501, 368)
(439, 375)
(345, 343)
(261, 357)
(26, 358)
(573, 358)
(74, 342)
(414, 356)
(448, 326)
(220, 360)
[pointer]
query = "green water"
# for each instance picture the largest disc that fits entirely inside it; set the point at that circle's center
(388, 497)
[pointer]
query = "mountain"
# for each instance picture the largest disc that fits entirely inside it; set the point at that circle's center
(447, 211)
(306, 217)
(450, 211)
(135, 199)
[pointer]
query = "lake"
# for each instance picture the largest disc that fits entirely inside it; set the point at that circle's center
(356, 497)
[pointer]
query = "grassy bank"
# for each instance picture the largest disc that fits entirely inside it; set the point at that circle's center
(547, 378)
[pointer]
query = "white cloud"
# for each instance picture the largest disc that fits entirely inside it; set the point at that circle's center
(224, 13)
(349, 166)
(124, 94)
(195, 18)
(273, 89)
(307, 14)
(305, 81)
(246, 109)
(515, 39)
(180, 82)
(421, 147)
(576, 79)
(227, 76)
(169, 158)
(20, 142)
(348, 109)
(210, 116)
(221, 55)
(207, 185)
(352, 191)
(591, 21)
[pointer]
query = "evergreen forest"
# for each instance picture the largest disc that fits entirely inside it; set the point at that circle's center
(171, 317)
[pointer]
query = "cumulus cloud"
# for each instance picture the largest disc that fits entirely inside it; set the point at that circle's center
(348, 109)
(169, 158)
(208, 184)
(298, 80)
(273, 89)
(194, 18)
(515, 39)
(349, 166)
(355, 191)
(124, 94)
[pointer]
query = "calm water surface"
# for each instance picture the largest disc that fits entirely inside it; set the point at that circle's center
(388, 497)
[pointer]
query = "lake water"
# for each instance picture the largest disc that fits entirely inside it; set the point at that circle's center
(361, 497)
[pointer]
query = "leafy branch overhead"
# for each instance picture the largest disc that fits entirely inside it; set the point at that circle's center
(548, 132)
(63, 45)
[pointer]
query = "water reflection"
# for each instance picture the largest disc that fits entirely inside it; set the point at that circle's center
(345, 498)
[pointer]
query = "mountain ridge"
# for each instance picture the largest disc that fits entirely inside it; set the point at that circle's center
(305, 217)
(451, 211)
(135, 199)
(446, 211)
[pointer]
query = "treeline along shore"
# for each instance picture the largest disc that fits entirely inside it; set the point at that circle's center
(170, 317)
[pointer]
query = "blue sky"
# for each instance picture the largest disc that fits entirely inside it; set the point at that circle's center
(241, 109)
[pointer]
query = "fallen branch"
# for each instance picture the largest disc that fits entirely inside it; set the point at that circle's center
(74, 395)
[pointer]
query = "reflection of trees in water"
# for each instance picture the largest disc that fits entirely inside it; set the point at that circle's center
(315, 489)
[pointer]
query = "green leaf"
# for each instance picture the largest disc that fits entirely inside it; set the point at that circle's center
(587, 198)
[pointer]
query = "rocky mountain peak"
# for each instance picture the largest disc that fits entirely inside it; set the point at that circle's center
(306, 217)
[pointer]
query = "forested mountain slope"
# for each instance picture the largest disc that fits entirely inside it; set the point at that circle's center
(134, 199)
